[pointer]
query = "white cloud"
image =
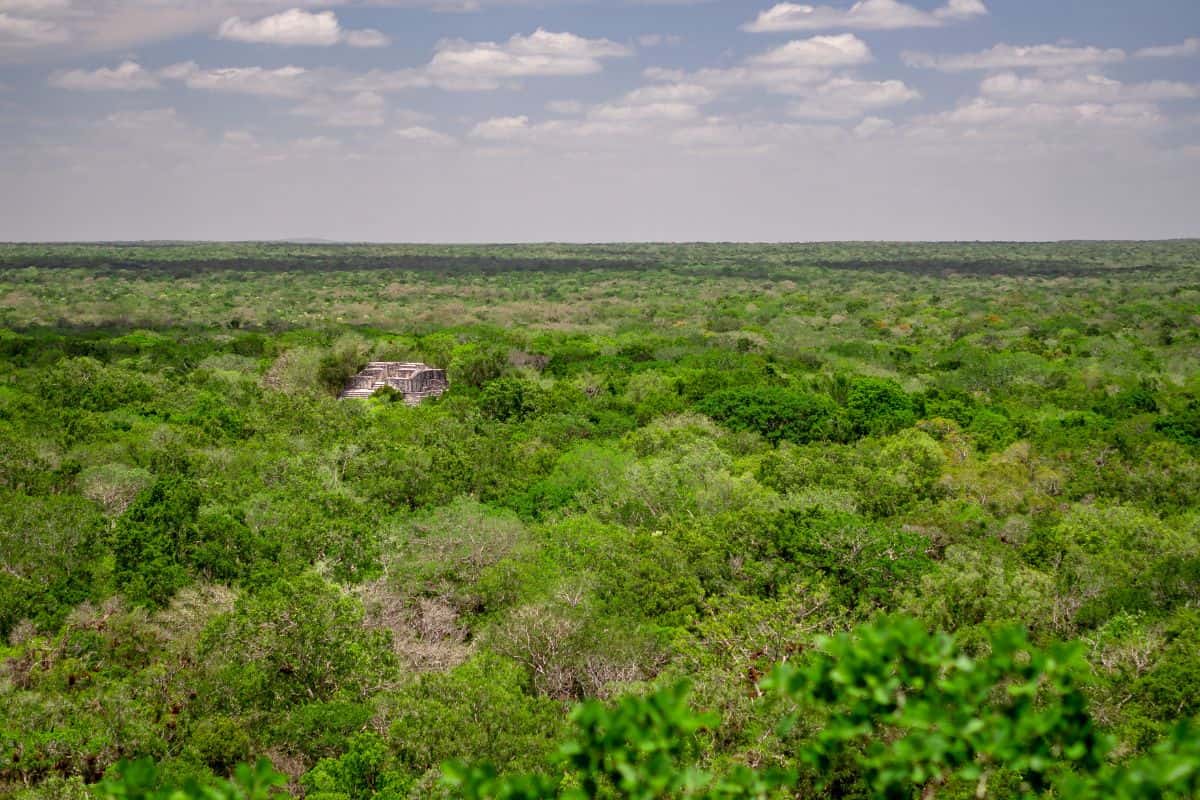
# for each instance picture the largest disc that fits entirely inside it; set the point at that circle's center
(299, 27)
(746, 78)
(180, 71)
(378, 80)
(280, 82)
(365, 38)
(692, 93)
(21, 32)
(1006, 56)
(863, 15)
(154, 138)
(819, 51)
(422, 135)
(636, 112)
(99, 25)
(34, 6)
(157, 119)
(128, 76)
(501, 128)
(982, 117)
(361, 110)
(1053, 115)
(456, 65)
(792, 68)
(872, 127)
(847, 98)
(961, 9)
(663, 74)
(1047, 173)
(1189, 47)
(242, 149)
(1009, 86)
(462, 65)
(604, 127)
(292, 27)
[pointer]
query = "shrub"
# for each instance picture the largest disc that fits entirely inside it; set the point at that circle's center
(776, 413)
(877, 407)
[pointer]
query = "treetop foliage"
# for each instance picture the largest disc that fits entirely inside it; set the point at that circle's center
(907, 520)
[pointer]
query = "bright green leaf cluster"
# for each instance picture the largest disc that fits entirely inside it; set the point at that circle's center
(140, 780)
(912, 709)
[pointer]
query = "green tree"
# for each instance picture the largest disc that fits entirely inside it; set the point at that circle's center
(877, 407)
(446, 716)
(913, 712)
(510, 399)
(50, 548)
(296, 641)
(151, 538)
(359, 774)
(777, 413)
(142, 780)
(474, 364)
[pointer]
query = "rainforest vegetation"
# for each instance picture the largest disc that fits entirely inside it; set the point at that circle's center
(815, 521)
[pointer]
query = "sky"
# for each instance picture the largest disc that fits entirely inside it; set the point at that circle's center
(582, 120)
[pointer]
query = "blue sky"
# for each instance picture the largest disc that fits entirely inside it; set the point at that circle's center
(501, 120)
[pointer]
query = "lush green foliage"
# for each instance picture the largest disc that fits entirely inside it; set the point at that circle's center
(139, 780)
(911, 710)
(654, 464)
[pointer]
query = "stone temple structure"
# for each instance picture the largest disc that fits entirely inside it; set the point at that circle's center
(414, 381)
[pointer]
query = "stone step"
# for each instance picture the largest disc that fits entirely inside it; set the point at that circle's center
(400, 375)
(363, 392)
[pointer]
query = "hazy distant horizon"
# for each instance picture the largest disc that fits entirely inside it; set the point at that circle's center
(581, 243)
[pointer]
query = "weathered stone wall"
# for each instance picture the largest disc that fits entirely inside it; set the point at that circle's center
(414, 381)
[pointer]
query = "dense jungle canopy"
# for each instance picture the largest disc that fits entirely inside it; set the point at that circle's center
(826, 520)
